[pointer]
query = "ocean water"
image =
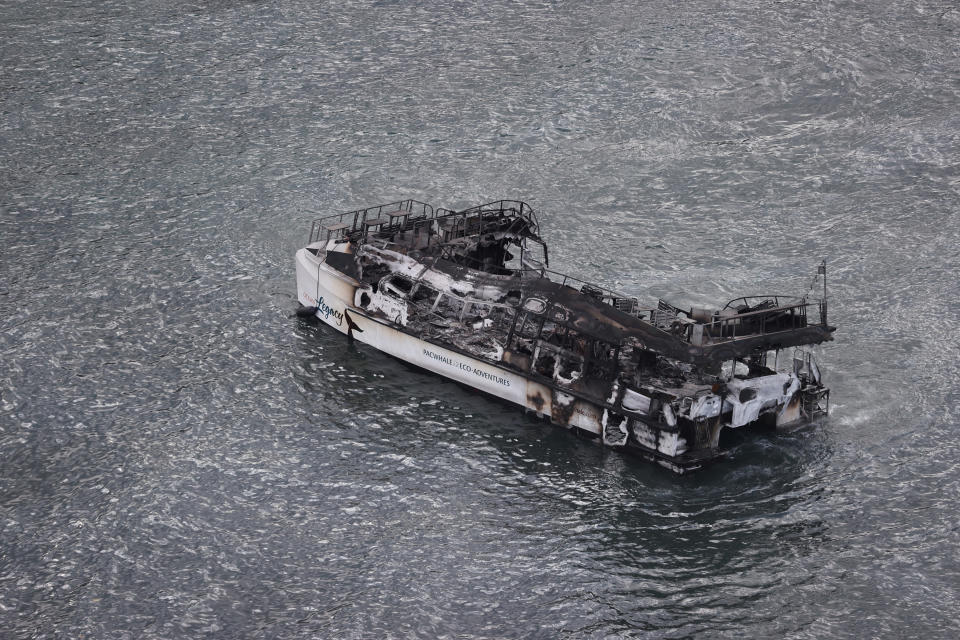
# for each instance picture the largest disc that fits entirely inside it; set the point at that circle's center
(183, 457)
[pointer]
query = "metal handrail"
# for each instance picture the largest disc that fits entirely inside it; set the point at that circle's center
(522, 209)
(420, 211)
(775, 297)
(715, 328)
(357, 217)
(760, 312)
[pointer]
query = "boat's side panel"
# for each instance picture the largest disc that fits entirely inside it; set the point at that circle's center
(450, 364)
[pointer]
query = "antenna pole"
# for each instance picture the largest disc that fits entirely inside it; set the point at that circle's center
(822, 269)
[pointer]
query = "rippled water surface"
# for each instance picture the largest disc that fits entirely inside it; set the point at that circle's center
(181, 457)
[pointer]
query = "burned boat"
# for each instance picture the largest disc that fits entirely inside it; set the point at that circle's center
(469, 295)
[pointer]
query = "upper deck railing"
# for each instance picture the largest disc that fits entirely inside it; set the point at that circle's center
(777, 300)
(405, 215)
(352, 221)
(783, 315)
(500, 207)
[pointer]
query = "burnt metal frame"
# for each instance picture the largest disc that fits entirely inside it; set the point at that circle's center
(418, 212)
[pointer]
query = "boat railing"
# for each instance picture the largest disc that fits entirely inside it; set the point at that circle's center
(404, 215)
(750, 301)
(784, 317)
(349, 222)
(505, 207)
(483, 218)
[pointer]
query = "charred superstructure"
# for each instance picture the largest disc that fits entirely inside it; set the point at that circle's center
(468, 294)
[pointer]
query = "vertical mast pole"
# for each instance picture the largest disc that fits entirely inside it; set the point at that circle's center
(823, 309)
